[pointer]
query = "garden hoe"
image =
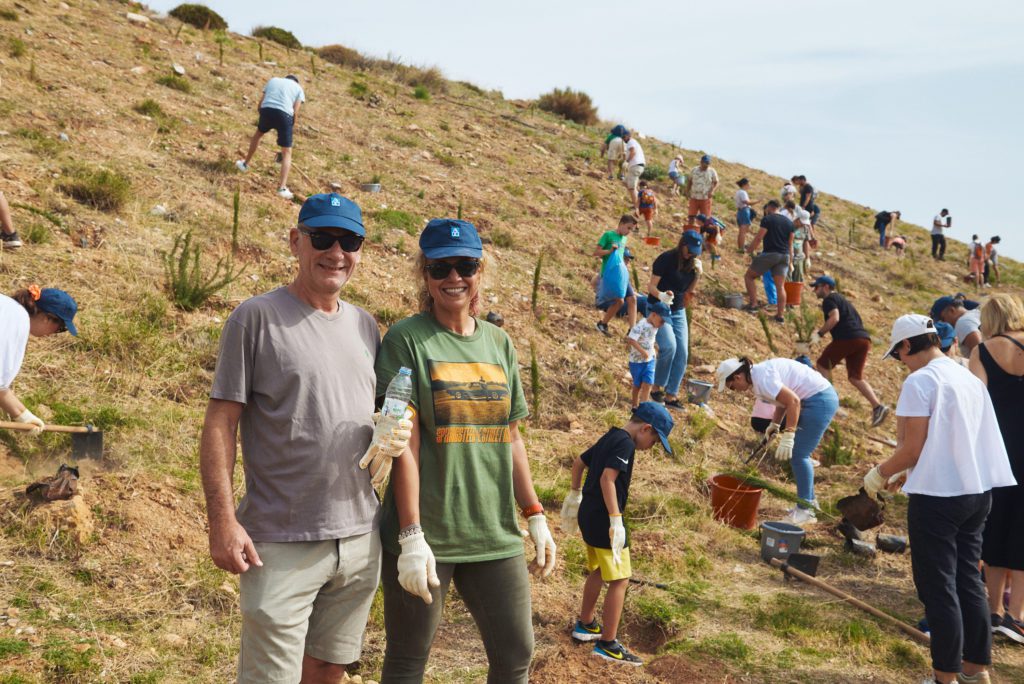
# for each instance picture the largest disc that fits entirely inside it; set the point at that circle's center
(86, 442)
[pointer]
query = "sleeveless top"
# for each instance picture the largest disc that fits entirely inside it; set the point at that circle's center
(1007, 393)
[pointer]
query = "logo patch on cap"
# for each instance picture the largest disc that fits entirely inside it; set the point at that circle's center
(455, 233)
(335, 201)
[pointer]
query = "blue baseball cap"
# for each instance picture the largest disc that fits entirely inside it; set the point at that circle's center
(940, 305)
(619, 130)
(660, 308)
(706, 158)
(946, 334)
(693, 241)
(701, 217)
(658, 417)
(824, 280)
(331, 210)
(444, 238)
(60, 304)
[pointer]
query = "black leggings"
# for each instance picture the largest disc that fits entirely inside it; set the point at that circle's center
(938, 246)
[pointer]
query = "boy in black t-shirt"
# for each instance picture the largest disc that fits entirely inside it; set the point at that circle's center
(598, 508)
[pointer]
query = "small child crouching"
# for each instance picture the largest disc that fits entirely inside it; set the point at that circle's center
(642, 357)
(598, 507)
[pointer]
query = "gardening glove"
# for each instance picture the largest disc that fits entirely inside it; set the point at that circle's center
(570, 509)
(875, 482)
(27, 416)
(771, 431)
(386, 447)
(544, 562)
(815, 337)
(617, 533)
(667, 298)
(784, 452)
(417, 570)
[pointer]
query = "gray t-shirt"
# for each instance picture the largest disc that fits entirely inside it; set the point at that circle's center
(307, 381)
(966, 324)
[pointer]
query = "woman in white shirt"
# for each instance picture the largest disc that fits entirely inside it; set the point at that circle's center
(744, 213)
(807, 401)
(949, 444)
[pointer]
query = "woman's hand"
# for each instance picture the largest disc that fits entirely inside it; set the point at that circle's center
(544, 562)
(27, 416)
(417, 569)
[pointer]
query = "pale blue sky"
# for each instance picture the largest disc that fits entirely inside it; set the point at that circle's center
(894, 104)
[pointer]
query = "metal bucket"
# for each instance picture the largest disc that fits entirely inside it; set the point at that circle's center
(698, 391)
(734, 301)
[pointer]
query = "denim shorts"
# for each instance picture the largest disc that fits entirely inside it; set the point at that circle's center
(642, 371)
(279, 120)
(743, 216)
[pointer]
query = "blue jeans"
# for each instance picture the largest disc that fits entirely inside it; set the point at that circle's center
(769, 288)
(816, 413)
(672, 352)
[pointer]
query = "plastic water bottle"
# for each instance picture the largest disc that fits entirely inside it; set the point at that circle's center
(396, 400)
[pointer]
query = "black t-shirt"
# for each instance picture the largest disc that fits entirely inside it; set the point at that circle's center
(807, 196)
(614, 450)
(882, 218)
(849, 327)
(672, 279)
(779, 228)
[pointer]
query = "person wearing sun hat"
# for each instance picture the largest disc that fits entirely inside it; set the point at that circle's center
(29, 312)
(450, 509)
(949, 445)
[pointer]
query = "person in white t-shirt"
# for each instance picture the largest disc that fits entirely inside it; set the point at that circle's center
(278, 110)
(941, 221)
(635, 164)
(950, 446)
(807, 401)
(676, 174)
(744, 213)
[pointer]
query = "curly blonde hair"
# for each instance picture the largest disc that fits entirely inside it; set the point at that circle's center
(1002, 313)
(426, 302)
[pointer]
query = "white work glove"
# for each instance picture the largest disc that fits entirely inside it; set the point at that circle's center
(875, 482)
(771, 430)
(384, 448)
(815, 337)
(570, 509)
(784, 452)
(617, 533)
(544, 561)
(27, 416)
(417, 569)
(667, 298)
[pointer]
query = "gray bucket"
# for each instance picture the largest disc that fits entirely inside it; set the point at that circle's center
(698, 391)
(779, 539)
(734, 301)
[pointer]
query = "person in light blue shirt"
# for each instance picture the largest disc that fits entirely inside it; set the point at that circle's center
(278, 109)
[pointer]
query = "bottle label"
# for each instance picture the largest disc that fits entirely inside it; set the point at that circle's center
(393, 408)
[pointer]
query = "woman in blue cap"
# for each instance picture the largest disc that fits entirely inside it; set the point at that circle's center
(449, 512)
(36, 312)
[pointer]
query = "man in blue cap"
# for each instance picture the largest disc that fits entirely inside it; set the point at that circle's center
(295, 375)
(700, 188)
(966, 322)
(614, 150)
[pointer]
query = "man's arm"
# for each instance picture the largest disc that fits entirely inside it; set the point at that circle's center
(230, 546)
(831, 321)
(970, 342)
(757, 241)
(295, 111)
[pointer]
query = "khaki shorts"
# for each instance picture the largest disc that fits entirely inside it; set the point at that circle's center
(603, 559)
(308, 598)
(633, 175)
(775, 262)
(616, 149)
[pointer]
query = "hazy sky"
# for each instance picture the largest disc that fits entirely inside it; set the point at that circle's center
(895, 104)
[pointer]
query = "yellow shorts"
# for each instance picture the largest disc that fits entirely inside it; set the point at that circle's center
(602, 558)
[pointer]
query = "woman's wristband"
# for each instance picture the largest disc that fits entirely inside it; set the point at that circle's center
(533, 509)
(409, 530)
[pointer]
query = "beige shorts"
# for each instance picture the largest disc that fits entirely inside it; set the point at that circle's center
(616, 149)
(309, 597)
(633, 175)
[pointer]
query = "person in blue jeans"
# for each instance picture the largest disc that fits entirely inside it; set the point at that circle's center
(807, 403)
(674, 277)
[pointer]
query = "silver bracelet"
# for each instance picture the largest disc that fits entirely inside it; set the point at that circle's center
(409, 531)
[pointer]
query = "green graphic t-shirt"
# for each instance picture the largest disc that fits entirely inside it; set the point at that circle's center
(612, 237)
(466, 391)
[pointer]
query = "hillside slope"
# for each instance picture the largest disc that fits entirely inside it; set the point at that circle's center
(130, 593)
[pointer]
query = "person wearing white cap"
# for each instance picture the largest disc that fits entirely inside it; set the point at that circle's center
(949, 444)
(807, 402)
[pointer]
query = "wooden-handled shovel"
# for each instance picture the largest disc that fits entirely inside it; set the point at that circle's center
(86, 441)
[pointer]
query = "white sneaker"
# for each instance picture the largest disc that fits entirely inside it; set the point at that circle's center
(800, 516)
(285, 193)
(241, 165)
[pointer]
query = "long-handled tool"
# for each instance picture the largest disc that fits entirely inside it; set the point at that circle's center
(86, 441)
(793, 572)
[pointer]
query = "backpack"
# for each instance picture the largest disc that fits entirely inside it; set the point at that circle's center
(977, 251)
(646, 197)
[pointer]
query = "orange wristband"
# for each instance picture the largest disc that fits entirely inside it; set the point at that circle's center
(533, 510)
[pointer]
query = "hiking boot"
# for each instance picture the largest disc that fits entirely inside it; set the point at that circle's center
(603, 327)
(658, 396)
(978, 678)
(241, 165)
(800, 516)
(285, 193)
(1008, 627)
(616, 652)
(583, 633)
(11, 240)
(879, 414)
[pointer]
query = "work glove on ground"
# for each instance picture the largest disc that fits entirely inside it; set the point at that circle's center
(386, 447)
(27, 416)
(617, 533)
(784, 452)
(544, 562)
(417, 569)
(874, 481)
(667, 298)
(771, 430)
(570, 510)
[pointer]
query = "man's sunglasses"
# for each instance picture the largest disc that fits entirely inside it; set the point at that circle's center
(439, 270)
(349, 241)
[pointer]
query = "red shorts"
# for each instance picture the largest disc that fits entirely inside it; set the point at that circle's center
(647, 212)
(854, 352)
(700, 207)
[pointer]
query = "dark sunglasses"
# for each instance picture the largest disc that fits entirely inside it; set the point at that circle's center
(349, 241)
(439, 270)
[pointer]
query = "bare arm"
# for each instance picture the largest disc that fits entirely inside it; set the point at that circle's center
(831, 321)
(971, 341)
(578, 466)
(608, 490)
(630, 342)
(405, 478)
(295, 111)
(10, 403)
(652, 286)
(522, 480)
(790, 405)
(756, 241)
(911, 434)
(976, 367)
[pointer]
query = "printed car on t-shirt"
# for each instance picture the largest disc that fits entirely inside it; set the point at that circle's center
(471, 402)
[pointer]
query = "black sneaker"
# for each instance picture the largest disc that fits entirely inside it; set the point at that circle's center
(616, 652)
(603, 327)
(674, 404)
(879, 414)
(1008, 627)
(11, 240)
(658, 396)
(582, 633)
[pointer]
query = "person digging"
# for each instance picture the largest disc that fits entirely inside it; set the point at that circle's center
(278, 109)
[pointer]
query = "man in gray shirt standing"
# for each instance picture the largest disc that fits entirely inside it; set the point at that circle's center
(295, 377)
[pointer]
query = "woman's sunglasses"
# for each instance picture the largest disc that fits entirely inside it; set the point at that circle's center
(349, 241)
(439, 270)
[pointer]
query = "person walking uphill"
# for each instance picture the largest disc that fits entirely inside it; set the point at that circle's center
(30, 312)
(278, 109)
(850, 343)
(807, 403)
(948, 443)
(295, 378)
(700, 188)
(776, 257)
(449, 512)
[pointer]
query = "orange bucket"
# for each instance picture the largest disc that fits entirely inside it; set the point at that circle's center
(793, 293)
(650, 240)
(734, 502)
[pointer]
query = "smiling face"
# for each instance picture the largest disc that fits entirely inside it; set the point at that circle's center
(322, 272)
(454, 293)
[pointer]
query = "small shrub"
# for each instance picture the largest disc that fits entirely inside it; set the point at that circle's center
(536, 283)
(444, 126)
(569, 104)
(429, 78)
(150, 108)
(235, 202)
(36, 234)
(654, 172)
(42, 144)
(472, 87)
(767, 331)
(9, 647)
(804, 323)
(447, 160)
(16, 47)
(221, 38)
(401, 141)
(188, 287)
(588, 198)
(388, 317)
(8, 14)
(344, 56)
(395, 218)
(701, 425)
(99, 188)
(501, 238)
(358, 90)
(200, 16)
(278, 35)
(175, 82)
(421, 93)
(834, 452)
